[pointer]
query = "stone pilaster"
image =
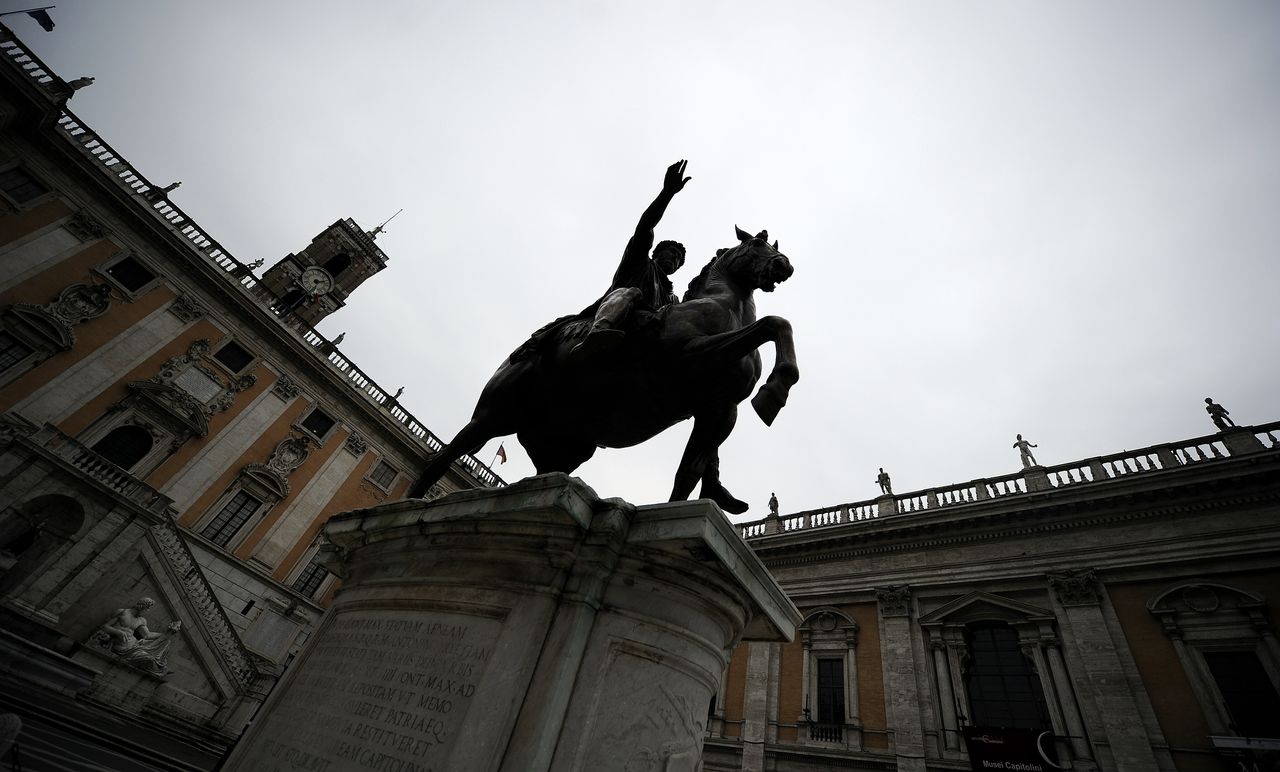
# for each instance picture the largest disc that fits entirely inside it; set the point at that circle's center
(902, 695)
(1081, 595)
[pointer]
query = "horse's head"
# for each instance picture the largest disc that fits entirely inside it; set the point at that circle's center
(756, 261)
(753, 264)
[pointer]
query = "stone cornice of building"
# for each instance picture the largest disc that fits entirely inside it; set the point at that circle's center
(1057, 510)
(47, 97)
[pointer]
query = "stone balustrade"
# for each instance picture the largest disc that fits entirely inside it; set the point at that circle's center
(1166, 457)
(132, 182)
(100, 469)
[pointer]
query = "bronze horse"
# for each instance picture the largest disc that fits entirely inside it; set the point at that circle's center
(696, 358)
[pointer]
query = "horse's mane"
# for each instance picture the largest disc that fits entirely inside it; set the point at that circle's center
(700, 281)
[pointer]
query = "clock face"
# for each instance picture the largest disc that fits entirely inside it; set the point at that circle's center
(315, 281)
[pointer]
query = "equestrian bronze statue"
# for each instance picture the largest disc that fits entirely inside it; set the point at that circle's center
(633, 364)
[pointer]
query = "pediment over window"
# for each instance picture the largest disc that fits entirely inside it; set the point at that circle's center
(984, 607)
(1199, 597)
(163, 401)
(41, 328)
(826, 619)
(265, 482)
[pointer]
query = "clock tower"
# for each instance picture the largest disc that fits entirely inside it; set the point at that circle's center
(315, 282)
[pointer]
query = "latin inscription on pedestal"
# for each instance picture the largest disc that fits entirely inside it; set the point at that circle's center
(383, 690)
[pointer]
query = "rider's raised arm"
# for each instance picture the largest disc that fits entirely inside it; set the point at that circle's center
(636, 254)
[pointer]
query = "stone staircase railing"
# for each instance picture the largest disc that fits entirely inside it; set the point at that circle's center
(182, 562)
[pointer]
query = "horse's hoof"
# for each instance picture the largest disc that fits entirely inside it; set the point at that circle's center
(767, 405)
(725, 500)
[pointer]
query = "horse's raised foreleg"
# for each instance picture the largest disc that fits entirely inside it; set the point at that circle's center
(773, 394)
(701, 460)
(736, 344)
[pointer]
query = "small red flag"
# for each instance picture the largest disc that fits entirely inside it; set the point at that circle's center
(502, 452)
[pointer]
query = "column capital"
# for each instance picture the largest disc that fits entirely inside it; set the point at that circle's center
(894, 600)
(1077, 588)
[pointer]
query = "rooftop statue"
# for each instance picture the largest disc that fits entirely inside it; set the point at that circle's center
(1218, 414)
(1024, 449)
(636, 362)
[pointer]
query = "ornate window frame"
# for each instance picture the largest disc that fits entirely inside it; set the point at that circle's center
(303, 565)
(829, 633)
(377, 464)
(1038, 637)
(1202, 616)
(48, 329)
(264, 484)
(319, 439)
(49, 191)
(102, 270)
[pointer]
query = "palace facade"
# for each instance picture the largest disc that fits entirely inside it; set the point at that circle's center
(1122, 610)
(172, 428)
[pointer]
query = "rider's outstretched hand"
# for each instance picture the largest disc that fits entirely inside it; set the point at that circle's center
(675, 180)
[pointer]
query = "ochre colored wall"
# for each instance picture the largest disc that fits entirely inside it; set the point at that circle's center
(258, 453)
(91, 411)
(18, 224)
(734, 691)
(298, 480)
(354, 493)
(1178, 711)
(90, 336)
(870, 675)
(790, 689)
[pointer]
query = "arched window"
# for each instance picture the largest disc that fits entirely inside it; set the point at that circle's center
(30, 532)
(1004, 690)
(337, 264)
(125, 445)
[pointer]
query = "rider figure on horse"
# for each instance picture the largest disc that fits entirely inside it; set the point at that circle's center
(640, 285)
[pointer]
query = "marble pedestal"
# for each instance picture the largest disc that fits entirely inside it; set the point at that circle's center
(532, 627)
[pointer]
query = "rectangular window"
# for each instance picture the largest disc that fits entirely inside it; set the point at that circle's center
(231, 519)
(318, 423)
(233, 356)
(130, 273)
(383, 475)
(830, 691)
(20, 186)
(1251, 700)
(12, 351)
(311, 578)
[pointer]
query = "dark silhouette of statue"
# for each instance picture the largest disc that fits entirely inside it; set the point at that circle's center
(773, 504)
(693, 359)
(1024, 450)
(640, 285)
(886, 485)
(1218, 414)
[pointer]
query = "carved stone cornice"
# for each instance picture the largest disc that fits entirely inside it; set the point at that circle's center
(1077, 588)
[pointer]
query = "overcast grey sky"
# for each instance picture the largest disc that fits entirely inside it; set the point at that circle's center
(1053, 218)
